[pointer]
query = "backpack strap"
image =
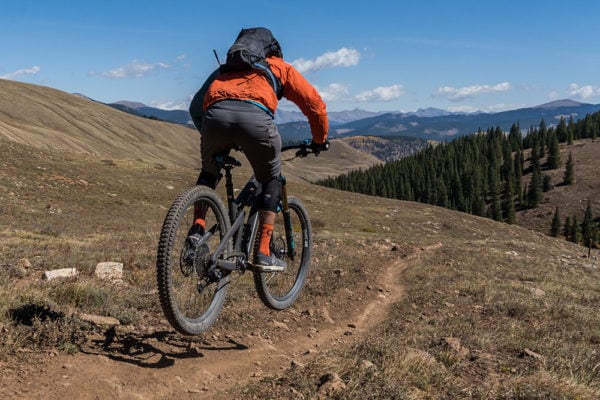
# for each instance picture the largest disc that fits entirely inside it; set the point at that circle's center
(273, 80)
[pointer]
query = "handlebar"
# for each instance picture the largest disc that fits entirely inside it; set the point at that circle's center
(305, 148)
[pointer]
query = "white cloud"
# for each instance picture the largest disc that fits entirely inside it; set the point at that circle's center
(583, 92)
(138, 69)
(171, 105)
(27, 71)
(134, 69)
(387, 93)
(553, 95)
(341, 58)
(458, 94)
(494, 108)
(334, 91)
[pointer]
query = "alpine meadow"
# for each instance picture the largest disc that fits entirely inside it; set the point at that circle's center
(441, 269)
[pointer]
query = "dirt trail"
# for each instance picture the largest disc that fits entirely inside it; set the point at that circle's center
(161, 365)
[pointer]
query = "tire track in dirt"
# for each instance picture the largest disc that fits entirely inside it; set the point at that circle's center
(160, 365)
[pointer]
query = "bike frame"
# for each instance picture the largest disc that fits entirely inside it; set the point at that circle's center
(206, 265)
(237, 208)
(243, 230)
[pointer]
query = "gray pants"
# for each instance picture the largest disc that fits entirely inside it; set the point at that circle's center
(232, 123)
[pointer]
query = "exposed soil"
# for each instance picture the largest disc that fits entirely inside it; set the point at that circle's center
(155, 363)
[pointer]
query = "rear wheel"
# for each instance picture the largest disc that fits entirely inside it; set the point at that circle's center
(191, 293)
(279, 290)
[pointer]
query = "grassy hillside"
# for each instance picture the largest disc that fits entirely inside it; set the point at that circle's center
(483, 309)
(387, 148)
(404, 300)
(571, 200)
(47, 118)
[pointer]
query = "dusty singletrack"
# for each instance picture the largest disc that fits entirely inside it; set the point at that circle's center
(158, 364)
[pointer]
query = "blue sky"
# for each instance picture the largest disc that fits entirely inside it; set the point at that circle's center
(373, 55)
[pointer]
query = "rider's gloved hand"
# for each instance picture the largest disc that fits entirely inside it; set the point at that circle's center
(319, 147)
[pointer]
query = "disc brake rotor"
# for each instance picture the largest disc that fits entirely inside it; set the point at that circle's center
(278, 247)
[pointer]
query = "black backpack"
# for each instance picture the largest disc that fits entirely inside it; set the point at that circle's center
(250, 51)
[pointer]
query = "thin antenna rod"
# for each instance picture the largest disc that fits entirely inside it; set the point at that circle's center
(217, 56)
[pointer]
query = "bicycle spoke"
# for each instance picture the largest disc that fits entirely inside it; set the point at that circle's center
(280, 289)
(182, 263)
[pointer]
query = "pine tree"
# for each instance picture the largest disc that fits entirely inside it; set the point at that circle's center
(570, 136)
(587, 226)
(515, 138)
(479, 207)
(509, 211)
(561, 130)
(567, 228)
(542, 139)
(518, 168)
(571, 130)
(535, 154)
(575, 235)
(546, 183)
(553, 153)
(555, 228)
(569, 177)
(534, 194)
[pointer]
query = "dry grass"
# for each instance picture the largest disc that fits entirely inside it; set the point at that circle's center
(490, 311)
(497, 312)
(51, 119)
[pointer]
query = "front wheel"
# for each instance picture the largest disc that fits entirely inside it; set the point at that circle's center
(191, 292)
(279, 290)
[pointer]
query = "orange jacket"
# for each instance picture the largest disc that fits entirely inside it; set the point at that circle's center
(253, 86)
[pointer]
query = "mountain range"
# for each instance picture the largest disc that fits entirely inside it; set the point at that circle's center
(446, 127)
(430, 123)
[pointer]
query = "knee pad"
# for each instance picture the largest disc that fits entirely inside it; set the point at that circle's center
(271, 195)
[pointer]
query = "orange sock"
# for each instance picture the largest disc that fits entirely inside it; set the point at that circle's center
(265, 239)
(201, 222)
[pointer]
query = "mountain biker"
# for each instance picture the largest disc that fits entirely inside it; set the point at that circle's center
(235, 109)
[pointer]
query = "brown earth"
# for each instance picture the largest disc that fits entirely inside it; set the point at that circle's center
(442, 304)
(155, 363)
(570, 200)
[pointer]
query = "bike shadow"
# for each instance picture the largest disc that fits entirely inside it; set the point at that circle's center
(160, 349)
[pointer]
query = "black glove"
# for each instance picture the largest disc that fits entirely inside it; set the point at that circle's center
(319, 147)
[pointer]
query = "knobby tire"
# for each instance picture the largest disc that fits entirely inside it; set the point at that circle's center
(188, 309)
(279, 290)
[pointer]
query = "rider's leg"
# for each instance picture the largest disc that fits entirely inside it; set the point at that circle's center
(267, 221)
(270, 204)
(271, 197)
(214, 140)
(200, 209)
(251, 128)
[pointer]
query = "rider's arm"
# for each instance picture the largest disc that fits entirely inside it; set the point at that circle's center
(299, 91)
(196, 107)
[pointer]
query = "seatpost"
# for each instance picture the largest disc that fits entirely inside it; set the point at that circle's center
(230, 199)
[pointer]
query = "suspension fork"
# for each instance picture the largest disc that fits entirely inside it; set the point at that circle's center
(287, 220)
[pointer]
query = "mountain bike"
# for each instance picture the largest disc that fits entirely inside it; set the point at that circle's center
(193, 280)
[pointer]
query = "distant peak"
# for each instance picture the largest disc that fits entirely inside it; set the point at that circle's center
(131, 104)
(561, 103)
